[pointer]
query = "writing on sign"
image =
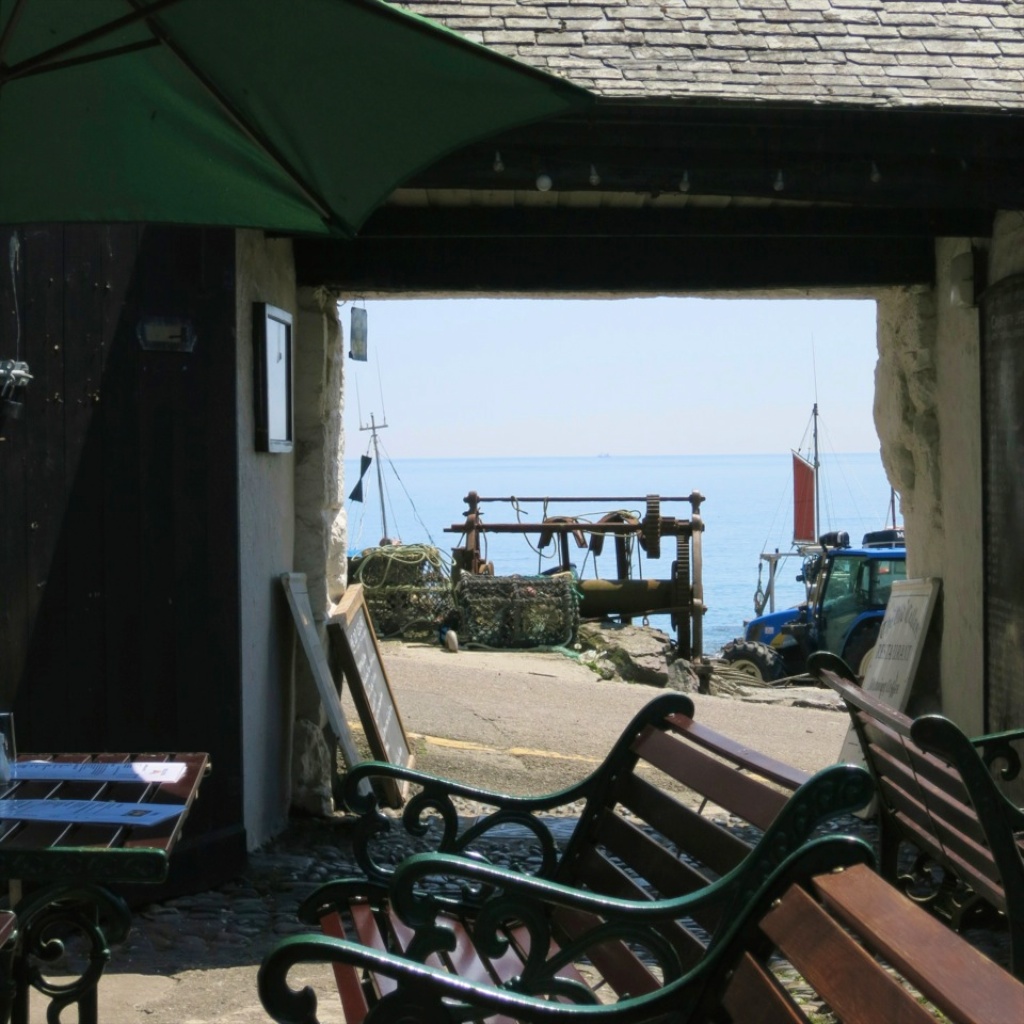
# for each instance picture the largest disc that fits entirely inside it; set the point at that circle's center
(354, 641)
(901, 639)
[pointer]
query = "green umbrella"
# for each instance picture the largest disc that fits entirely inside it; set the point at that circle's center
(297, 116)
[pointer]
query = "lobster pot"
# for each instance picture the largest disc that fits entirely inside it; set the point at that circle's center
(518, 611)
(406, 586)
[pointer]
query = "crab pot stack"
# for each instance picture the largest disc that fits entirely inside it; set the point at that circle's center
(407, 587)
(518, 611)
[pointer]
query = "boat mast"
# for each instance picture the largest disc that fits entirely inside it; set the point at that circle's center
(817, 485)
(374, 427)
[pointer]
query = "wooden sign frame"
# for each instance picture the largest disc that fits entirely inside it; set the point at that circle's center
(354, 643)
(296, 591)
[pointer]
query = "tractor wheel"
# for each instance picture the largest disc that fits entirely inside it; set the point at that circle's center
(860, 649)
(757, 660)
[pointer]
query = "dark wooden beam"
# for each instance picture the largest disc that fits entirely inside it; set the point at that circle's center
(667, 222)
(641, 265)
(916, 159)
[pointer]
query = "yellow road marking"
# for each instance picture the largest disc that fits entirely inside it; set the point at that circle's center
(440, 741)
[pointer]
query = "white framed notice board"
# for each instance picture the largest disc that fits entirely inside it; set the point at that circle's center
(901, 638)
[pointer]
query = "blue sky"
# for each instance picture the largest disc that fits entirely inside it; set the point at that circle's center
(504, 377)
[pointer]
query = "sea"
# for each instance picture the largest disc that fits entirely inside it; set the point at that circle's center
(747, 510)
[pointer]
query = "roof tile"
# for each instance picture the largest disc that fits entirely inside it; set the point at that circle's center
(930, 53)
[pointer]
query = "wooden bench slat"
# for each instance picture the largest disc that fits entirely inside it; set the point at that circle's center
(353, 1000)
(701, 837)
(924, 839)
(606, 876)
(953, 808)
(951, 803)
(752, 760)
(667, 874)
(963, 983)
(934, 770)
(941, 796)
(940, 838)
(369, 934)
(754, 986)
(620, 967)
(724, 785)
(837, 966)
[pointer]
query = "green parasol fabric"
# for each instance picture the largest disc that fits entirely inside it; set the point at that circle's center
(296, 116)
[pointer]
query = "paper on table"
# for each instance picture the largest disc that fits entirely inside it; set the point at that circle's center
(98, 771)
(103, 812)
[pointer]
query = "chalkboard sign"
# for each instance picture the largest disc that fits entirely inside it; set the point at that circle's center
(898, 651)
(295, 589)
(355, 643)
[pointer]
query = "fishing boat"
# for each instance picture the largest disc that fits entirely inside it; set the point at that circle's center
(846, 588)
(407, 586)
(806, 527)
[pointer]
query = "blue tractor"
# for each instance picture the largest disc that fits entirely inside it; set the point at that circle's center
(848, 589)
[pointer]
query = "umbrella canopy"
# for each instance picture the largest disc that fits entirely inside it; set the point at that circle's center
(298, 116)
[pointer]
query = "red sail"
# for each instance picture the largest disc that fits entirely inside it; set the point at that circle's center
(803, 501)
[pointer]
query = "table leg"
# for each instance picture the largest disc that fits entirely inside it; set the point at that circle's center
(46, 919)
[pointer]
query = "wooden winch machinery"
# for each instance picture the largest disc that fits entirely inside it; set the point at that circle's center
(681, 595)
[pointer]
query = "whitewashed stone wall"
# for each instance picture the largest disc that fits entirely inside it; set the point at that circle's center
(929, 419)
(320, 526)
(266, 516)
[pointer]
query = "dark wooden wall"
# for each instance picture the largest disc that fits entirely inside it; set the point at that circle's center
(1002, 347)
(119, 627)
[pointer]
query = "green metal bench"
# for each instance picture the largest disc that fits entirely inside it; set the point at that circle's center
(850, 942)
(644, 837)
(661, 778)
(940, 791)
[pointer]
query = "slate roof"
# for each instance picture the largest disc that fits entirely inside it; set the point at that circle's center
(862, 53)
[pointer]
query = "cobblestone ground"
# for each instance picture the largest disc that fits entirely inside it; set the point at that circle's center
(239, 922)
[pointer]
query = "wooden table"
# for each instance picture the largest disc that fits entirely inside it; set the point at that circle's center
(69, 863)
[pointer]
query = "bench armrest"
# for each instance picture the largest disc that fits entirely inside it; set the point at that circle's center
(429, 995)
(432, 808)
(829, 793)
(430, 819)
(998, 747)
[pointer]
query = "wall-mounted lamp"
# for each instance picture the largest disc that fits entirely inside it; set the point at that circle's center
(165, 334)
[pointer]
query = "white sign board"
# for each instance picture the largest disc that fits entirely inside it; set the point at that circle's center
(898, 651)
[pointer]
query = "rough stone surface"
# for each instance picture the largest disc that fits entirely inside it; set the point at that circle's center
(312, 770)
(639, 654)
(633, 653)
(863, 52)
